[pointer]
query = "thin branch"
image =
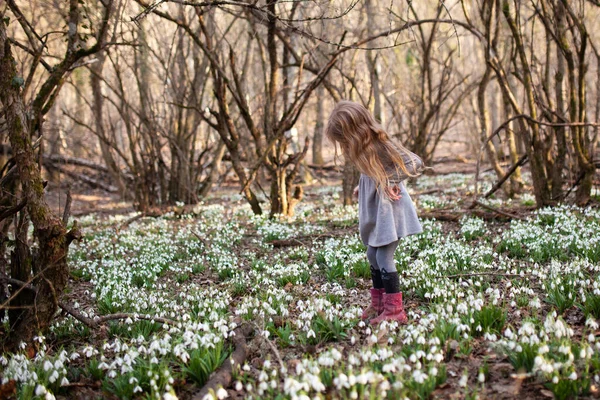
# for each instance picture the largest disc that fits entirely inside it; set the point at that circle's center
(494, 209)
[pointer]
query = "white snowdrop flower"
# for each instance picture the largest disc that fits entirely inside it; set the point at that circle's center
(40, 390)
(47, 365)
(591, 323)
(481, 377)
(573, 376)
(137, 389)
(311, 333)
(222, 394)
(555, 379)
(64, 381)
(591, 338)
(266, 334)
(352, 340)
(419, 376)
(239, 386)
(463, 380)
(54, 377)
(49, 396)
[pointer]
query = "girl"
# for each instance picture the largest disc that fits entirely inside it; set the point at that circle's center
(385, 210)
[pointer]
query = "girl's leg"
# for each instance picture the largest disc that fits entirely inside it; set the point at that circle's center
(393, 308)
(376, 306)
(375, 272)
(385, 261)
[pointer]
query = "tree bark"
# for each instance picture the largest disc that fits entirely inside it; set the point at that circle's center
(317, 148)
(49, 263)
(349, 182)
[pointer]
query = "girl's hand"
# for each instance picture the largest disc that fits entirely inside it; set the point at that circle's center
(355, 192)
(393, 192)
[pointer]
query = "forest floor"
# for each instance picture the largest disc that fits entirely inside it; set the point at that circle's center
(499, 306)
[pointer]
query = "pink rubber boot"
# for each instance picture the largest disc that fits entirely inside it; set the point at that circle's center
(376, 306)
(393, 310)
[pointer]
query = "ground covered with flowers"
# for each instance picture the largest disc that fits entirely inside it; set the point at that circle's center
(497, 308)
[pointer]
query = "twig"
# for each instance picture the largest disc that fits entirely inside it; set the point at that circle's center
(223, 376)
(519, 163)
(130, 221)
(271, 345)
(494, 209)
(160, 320)
(13, 210)
(200, 238)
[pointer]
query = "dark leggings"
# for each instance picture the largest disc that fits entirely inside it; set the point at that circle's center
(382, 258)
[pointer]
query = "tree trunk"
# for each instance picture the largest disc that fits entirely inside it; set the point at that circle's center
(484, 125)
(49, 262)
(98, 107)
(278, 195)
(349, 182)
(317, 148)
(516, 182)
(214, 171)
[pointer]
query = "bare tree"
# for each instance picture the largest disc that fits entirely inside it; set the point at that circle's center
(45, 266)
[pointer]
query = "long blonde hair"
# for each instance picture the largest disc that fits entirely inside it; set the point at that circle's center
(365, 143)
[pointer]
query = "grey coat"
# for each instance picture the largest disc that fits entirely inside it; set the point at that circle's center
(381, 220)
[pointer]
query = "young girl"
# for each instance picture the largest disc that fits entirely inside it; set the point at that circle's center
(385, 210)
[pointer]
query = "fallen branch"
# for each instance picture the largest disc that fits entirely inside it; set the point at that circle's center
(96, 322)
(454, 276)
(83, 178)
(494, 209)
(271, 346)
(430, 191)
(223, 376)
(287, 243)
(80, 162)
(129, 221)
(455, 215)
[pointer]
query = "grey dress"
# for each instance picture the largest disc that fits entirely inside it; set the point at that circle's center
(381, 220)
